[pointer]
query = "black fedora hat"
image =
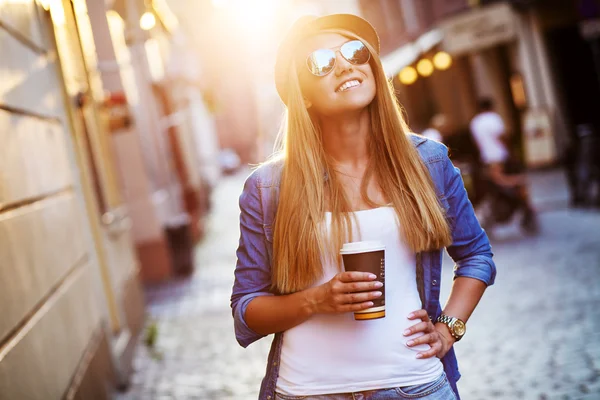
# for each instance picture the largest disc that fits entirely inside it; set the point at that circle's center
(308, 25)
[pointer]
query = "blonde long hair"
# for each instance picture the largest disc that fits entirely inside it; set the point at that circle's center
(300, 243)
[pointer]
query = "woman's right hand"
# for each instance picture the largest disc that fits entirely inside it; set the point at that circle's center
(345, 292)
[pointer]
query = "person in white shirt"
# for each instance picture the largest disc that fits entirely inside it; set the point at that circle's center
(489, 132)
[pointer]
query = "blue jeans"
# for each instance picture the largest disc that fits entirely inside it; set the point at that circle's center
(439, 389)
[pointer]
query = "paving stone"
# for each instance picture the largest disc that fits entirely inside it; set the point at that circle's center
(535, 334)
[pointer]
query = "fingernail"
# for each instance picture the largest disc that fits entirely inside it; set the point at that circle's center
(411, 315)
(410, 342)
(372, 276)
(406, 332)
(419, 355)
(378, 284)
(377, 294)
(370, 304)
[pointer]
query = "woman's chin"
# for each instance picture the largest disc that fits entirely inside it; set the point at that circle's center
(355, 104)
(344, 105)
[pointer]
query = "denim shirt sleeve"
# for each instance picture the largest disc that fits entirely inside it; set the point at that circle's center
(470, 249)
(252, 271)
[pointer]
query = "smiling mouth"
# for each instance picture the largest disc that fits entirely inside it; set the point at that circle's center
(348, 85)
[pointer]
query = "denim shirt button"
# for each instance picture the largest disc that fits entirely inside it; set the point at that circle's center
(434, 282)
(275, 363)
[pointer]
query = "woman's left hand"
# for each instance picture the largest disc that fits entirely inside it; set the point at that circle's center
(433, 335)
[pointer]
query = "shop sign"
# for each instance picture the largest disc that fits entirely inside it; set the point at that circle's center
(538, 139)
(479, 29)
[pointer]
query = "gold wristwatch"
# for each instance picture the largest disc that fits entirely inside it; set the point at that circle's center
(456, 326)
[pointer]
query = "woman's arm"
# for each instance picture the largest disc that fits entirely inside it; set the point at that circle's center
(253, 267)
(474, 270)
(470, 248)
(464, 297)
(267, 315)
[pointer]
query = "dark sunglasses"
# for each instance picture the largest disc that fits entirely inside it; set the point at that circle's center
(321, 62)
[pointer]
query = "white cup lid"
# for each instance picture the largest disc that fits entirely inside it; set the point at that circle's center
(362, 247)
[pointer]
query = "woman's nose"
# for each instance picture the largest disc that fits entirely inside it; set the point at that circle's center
(341, 64)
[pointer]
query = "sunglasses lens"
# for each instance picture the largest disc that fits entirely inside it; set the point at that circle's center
(355, 52)
(321, 62)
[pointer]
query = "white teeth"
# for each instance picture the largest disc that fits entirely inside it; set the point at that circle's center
(348, 85)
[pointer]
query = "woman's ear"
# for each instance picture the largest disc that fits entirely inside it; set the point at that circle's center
(307, 103)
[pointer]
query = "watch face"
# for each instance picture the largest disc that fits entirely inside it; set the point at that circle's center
(459, 328)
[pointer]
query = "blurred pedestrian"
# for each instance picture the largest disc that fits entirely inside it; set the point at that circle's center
(582, 163)
(344, 141)
(507, 185)
(436, 125)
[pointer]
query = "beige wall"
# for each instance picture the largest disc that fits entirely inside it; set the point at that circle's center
(50, 285)
(138, 156)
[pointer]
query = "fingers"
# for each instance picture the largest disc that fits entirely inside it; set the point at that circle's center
(355, 276)
(340, 287)
(430, 335)
(419, 314)
(356, 306)
(420, 327)
(435, 348)
(424, 326)
(428, 338)
(352, 298)
(432, 339)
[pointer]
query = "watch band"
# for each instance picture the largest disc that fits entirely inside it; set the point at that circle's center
(444, 319)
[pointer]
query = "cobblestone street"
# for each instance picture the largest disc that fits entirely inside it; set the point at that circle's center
(535, 334)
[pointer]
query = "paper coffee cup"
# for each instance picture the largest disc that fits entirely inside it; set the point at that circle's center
(367, 256)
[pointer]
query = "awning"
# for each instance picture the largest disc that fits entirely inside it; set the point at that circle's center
(409, 53)
(478, 29)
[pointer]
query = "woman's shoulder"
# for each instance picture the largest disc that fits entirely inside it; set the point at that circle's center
(267, 174)
(429, 150)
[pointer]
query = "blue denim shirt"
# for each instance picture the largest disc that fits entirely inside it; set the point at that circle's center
(470, 250)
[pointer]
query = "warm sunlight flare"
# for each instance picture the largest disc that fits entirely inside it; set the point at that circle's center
(252, 17)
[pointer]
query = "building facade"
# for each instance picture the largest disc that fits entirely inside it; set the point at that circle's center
(107, 158)
(497, 50)
(71, 300)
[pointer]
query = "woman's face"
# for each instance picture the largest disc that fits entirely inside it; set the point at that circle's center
(328, 95)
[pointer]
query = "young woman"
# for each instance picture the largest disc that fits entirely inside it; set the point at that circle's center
(349, 170)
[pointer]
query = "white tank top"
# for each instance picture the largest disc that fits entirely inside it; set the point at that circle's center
(333, 353)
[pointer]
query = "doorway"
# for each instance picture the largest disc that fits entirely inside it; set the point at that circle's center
(577, 77)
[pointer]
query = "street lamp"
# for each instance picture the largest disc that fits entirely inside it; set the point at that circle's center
(408, 75)
(147, 21)
(425, 67)
(442, 60)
